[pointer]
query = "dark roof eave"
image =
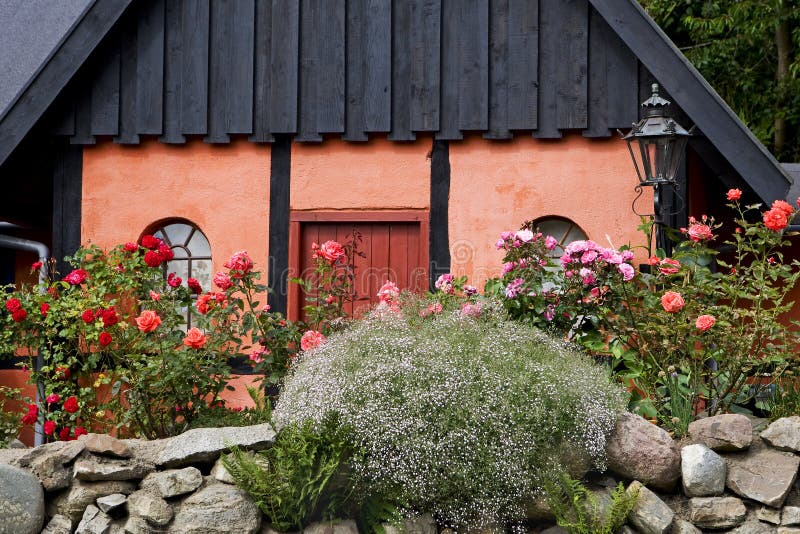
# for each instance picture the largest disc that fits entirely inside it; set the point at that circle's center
(696, 97)
(60, 67)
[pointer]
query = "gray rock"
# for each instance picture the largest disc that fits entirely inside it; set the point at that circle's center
(423, 524)
(66, 451)
(96, 468)
(58, 525)
(150, 507)
(17, 444)
(206, 444)
(339, 527)
(173, 482)
(640, 450)
(94, 522)
(138, 525)
(762, 474)
(217, 509)
(73, 502)
(716, 512)
(752, 526)
(681, 526)
(106, 445)
(650, 515)
(726, 432)
(554, 530)
(21, 502)
(769, 515)
(51, 463)
(12, 456)
(784, 434)
(626, 530)
(790, 516)
(702, 471)
(788, 530)
(111, 502)
(220, 473)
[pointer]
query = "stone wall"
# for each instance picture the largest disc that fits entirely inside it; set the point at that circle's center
(728, 475)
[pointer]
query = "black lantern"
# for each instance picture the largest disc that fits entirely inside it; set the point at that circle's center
(657, 143)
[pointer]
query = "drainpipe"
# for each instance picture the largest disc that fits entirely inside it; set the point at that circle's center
(17, 243)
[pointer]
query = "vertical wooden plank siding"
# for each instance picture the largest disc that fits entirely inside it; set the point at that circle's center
(239, 104)
(279, 182)
(498, 71)
(150, 69)
(550, 14)
(173, 69)
(309, 84)
(355, 43)
(105, 91)
(448, 125)
(378, 67)
(473, 62)
(425, 54)
(439, 255)
(401, 71)
(261, 72)
(194, 71)
(331, 67)
(127, 85)
(219, 43)
(523, 62)
(83, 120)
(572, 91)
(622, 67)
(67, 180)
(598, 77)
(283, 68)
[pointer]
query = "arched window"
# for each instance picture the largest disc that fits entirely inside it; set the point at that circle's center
(562, 229)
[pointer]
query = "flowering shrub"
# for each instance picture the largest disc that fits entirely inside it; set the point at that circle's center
(10, 420)
(452, 414)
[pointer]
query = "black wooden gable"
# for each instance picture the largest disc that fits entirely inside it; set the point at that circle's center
(311, 68)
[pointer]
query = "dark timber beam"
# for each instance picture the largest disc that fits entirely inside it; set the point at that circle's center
(280, 177)
(439, 256)
(67, 197)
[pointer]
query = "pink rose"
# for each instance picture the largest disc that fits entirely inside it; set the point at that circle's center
(704, 322)
(626, 270)
(53, 397)
(669, 266)
(311, 340)
(239, 264)
(331, 251)
(222, 281)
(524, 235)
(784, 206)
(672, 302)
(388, 292)
(699, 232)
(173, 280)
(76, 277)
(550, 242)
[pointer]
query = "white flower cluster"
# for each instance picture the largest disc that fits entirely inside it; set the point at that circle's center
(461, 417)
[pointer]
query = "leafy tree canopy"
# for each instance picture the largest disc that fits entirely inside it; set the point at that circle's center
(749, 51)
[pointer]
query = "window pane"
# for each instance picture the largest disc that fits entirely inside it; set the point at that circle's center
(198, 246)
(178, 233)
(201, 269)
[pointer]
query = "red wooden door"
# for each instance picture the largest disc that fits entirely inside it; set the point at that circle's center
(393, 250)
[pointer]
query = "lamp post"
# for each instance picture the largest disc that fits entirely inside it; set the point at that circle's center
(657, 145)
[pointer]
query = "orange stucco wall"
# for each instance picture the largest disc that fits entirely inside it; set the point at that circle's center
(224, 189)
(497, 186)
(379, 174)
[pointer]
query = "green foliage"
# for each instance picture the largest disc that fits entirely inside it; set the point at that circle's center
(218, 415)
(375, 511)
(579, 511)
(10, 421)
(734, 45)
(455, 415)
(288, 480)
(783, 400)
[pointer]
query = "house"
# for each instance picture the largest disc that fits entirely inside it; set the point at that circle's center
(427, 125)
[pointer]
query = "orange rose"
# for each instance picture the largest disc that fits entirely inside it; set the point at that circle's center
(195, 338)
(784, 206)
(672, 302)
(148, 321)
(202, 303)
(775, 219)
(704, 322)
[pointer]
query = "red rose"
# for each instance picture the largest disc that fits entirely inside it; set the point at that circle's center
(80, 431)
(130, 246)
(88, 316)
(704, 322)
(30, 417)
(775, 220)
(76, 277)
(110, 317)
(239, 264)
(19, 315)
(62, 373)
(784, 206)
(194, 285)
(150, 242)
(71, 405)
(148, 321)
(669, 266)
(202, 303)
(331, 251)
(165, 252)
(152, 258)
(53, 397)
(13, 304)
(734, 194)
(173, 281)
(49, 427)
(44, 308)
(223, 281)
(64, 434)
(195, 338)
(105, 339)
(672, 302)
(35, 266)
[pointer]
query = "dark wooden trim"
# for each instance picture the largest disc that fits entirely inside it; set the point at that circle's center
(695, 96)
(360, 216)
(439, 255)
(37, 97)
(67, 198)
(279, 184)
